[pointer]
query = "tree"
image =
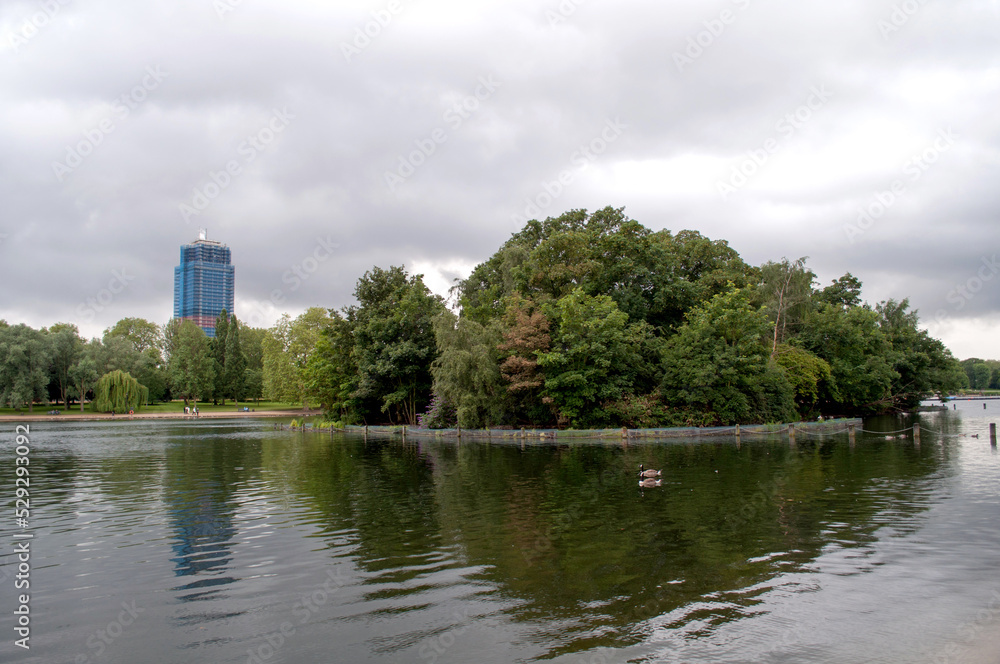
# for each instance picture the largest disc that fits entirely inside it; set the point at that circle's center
(191, 369)
(280, 378)
(860, 358)
(287, 348)
(119, 392)
(84, 374)
(717, 368)
(251, 339)
(118, 354)
(982, 376)
(330, 372)
(525, 334)
(467, 373)
(808, 375)
(394, 343)
(143, 334)
(24, 363)
(844, 292)
(235, 363)
(65, 346)
(786, 288)
(218, 349)
(923, 365)
(592, 359)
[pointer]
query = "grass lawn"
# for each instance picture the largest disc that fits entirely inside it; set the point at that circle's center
(171, 407)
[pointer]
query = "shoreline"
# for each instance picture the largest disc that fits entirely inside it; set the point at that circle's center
(105, 417)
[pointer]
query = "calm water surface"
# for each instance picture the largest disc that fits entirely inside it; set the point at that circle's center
(233, 542)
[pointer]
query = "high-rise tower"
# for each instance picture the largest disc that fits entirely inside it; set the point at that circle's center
(204, 282)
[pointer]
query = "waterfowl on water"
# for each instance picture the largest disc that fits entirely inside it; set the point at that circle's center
(649, 473)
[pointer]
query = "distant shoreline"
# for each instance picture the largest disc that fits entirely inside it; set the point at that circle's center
(86, 417)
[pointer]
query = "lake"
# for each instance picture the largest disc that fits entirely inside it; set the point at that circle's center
(230, 541)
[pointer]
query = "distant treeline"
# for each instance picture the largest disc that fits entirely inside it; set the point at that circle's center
(585, 320)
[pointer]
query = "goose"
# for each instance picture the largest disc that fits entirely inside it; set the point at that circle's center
(649, 473)
(650, 483)
(975, 435)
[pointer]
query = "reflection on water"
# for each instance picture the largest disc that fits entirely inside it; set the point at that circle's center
(238, 542)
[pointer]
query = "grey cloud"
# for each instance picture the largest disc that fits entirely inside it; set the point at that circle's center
(354, 121)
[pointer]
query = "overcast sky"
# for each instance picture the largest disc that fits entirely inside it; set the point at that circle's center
(326, 137)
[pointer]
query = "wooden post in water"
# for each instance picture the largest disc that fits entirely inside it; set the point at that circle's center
(916, 433)
(404, 433)
(993, 435)
(852, 435)
(791, 434)
(737, 434)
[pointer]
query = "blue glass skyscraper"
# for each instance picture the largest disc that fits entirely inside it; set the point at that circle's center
(204, 282)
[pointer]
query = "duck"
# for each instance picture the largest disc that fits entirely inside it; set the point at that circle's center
(650, 483)
(649, 473)
(975, 435)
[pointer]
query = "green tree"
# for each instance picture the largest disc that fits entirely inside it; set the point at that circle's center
(655, 277)
(808, 375)
(24, 364)
(330, 372)
(65, 346)
(251, 339)
(717, 368)
(786, 289)
(467, 372)
(287, 349)
(844, 292)
(191, 363)
(860, 357)
(119, 392)
(394, 343)
(143, 334)
(923, 365)
(592, 359)
(235, 363)
(280, 378)
(982, 376)
(218, 350)
(85, 373)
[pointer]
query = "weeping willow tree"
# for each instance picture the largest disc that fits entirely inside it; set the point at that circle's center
(119, 392)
